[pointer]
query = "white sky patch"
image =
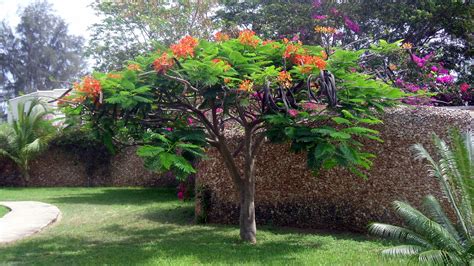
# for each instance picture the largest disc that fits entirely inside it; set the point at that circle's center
(77, 13)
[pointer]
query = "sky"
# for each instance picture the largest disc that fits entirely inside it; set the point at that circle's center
(77, 13)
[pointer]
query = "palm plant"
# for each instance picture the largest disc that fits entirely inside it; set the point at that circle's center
(26, 136)
(433, 237)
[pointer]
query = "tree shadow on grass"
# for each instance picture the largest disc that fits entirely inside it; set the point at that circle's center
(112, 196)
(163, 244)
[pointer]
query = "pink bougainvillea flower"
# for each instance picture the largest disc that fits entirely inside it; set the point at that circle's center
(169, 129)
(320, 17)
(335, 12)
(317, 3)
(447, 79)
(443, 71)
(310, 106)
(421, 61)
(434, 68)
(464, 87)
(412, 87)
(399, 82)
(190, 121)
(180, 195)
(293, 112)
(351, 25)
(257, 95)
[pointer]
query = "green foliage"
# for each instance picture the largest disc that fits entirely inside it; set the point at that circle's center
(128, 29)
(433, 237)
(27, 136)
(172, 151)
(216, 83)
(431, 25)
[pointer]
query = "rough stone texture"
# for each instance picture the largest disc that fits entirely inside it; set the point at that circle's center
(26, 218)
(289, 195)
(59, 166)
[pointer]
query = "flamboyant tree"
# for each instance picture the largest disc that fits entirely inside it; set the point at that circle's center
(173, 102)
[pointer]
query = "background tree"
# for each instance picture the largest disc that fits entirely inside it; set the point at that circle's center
(129, 28)
(40, 53)
(445, 26)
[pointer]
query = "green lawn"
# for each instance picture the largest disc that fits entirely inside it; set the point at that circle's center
(3, 211)
(151, 227)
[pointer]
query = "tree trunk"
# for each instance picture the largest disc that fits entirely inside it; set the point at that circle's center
(245, 183)
(248, 226)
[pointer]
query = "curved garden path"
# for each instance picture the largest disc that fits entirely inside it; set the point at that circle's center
(26, 218)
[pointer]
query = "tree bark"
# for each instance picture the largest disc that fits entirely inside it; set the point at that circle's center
(248, 226)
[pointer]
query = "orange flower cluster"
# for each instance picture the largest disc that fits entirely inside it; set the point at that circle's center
(324, 55)
(323, 29)
(221, 37)
(407, 45)
(163, 63)
(114, 76)
(291, 49)
(246, 85)
(134, 67)
(185, 47)
(89, 86)
(247, 37)
(308, 62)
(226, 67)
(284, 78)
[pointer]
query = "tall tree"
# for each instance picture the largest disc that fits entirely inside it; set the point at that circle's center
(129, 28)
(40, 53)
(445, 26)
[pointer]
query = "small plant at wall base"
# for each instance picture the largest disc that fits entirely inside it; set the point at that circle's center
(176, 102)
(27, 136)
(433, 237)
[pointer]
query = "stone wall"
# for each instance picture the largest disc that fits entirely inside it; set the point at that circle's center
(289, 195)
(60, 166)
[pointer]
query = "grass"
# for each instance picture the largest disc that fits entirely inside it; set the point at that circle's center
(150, 227)
(3, 211)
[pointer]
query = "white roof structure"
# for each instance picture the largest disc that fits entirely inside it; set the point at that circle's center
(44, 95)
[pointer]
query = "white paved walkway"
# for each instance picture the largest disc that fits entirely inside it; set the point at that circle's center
(25, 219)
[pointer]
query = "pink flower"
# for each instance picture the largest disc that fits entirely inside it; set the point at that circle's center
(320, 17)
(421, 61)
(169, 129)
(180, 195)
(434, 69)
(399, 82)
(412, 87)
(293, 112)
(317, 3)
(295, 38)
(443, 71)
(190, 121)
(310, 106)
(219, 110)
(351, 25)
(445, 79)
(464, 87)
(257, 95)
(335, 12)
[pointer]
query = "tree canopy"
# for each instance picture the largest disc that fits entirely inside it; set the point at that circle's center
(39, 54)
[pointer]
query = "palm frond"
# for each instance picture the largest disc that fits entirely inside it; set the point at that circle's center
(440, 257)
(403, 250)
(436, 212)
(398, 233)
(433, 232)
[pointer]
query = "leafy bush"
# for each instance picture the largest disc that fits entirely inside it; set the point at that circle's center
(27, 136)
